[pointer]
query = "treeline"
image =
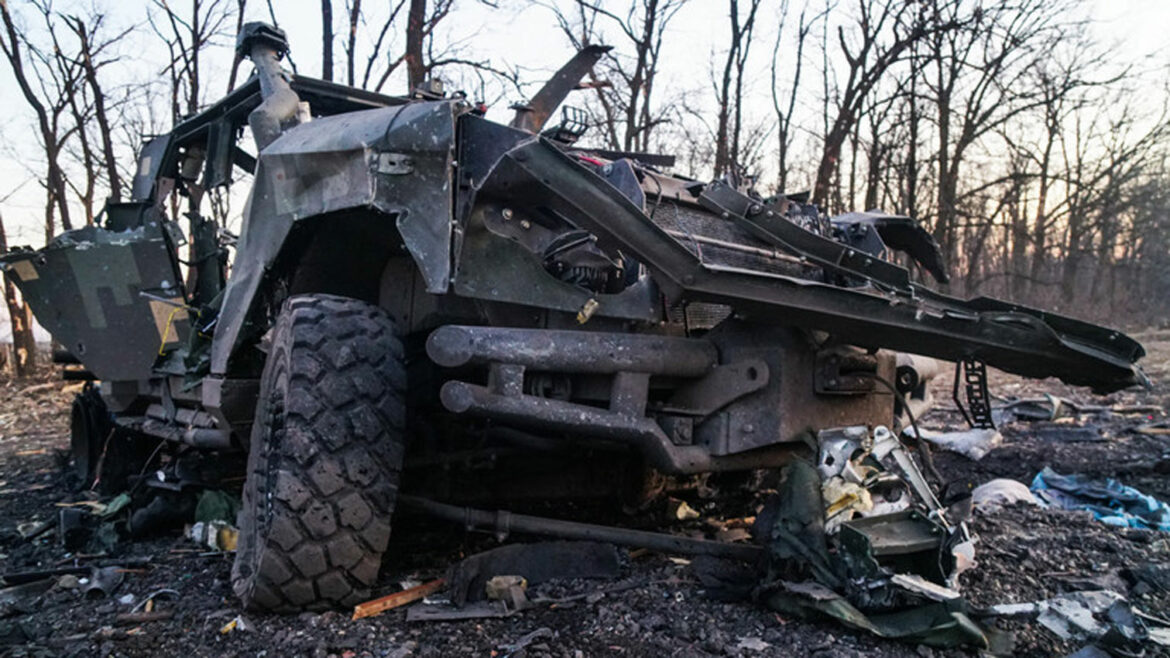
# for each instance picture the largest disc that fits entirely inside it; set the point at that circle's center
(1037, 160)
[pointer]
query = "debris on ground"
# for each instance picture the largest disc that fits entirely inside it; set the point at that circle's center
(679, 510)
(533, 563)
(1160, 428)
(509, 589)
(973, 443)
(446, 611)
(397, 599)
(653, 606)
(238, 623)
(1109, 501)
(857, 575)
(524, 641)
(1001, 491)
(1103, 616)
(217, 505)
(17, 593)
(1051, 407)
(216, 535)
(102, 582)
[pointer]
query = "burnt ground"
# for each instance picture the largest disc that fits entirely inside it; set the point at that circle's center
(1023, 553)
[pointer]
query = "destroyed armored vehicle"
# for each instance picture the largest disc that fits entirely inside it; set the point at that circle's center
(422, 297)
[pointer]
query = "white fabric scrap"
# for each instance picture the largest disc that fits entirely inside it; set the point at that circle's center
(1002, 491)
(973, 444)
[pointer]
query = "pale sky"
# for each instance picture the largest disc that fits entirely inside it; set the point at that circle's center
(520, 34)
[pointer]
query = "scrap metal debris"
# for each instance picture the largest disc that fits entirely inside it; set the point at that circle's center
(893, 573)
(532, 563)
(237, 623)
(102, 582)
(1103, 616)
(1109, 501)
(1051, 407)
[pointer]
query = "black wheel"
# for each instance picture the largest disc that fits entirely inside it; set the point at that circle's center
(104, 455)
(89, 429)
(326, 451)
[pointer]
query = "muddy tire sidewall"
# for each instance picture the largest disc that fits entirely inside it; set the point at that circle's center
(326, 451)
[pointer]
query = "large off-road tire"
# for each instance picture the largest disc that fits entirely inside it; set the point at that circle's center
(326, 451)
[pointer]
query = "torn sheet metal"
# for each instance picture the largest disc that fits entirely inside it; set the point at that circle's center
(536, 563)
(1100, 615)
(893, 574)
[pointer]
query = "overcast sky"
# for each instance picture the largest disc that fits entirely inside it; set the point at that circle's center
(519, 35)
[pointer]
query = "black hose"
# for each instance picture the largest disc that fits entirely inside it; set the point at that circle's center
(923, 448)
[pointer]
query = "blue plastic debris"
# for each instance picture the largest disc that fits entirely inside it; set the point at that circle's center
(1110, 501)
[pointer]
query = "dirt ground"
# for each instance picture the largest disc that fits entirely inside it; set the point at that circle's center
(1023, 554)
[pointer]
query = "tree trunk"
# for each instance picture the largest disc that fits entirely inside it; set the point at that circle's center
(24, 344)
(830, 160)
(327, 40)
(355, 12)
(99, 110)
(193, 72)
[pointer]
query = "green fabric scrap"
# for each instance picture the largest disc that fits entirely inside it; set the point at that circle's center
(216, 505)
(116, 505)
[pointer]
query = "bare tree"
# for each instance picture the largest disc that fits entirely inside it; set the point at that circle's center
(730, 92)
(241, 6)
(376, 51)
(92, 54)
(1097, 183)
(980, 57)
(785, 111)
(186, 37)
(415, 32)
(49, 105)
(883, 32)
(627, 110)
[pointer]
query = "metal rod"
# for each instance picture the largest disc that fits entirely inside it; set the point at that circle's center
(572, 351)
(581, 420)
(505, 522)
(733, 246)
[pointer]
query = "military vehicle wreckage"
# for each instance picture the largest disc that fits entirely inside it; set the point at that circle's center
(407, 267)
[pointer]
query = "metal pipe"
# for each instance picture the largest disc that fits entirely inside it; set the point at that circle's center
(265, 45)
(507, 522)
(639, 432)
(572, 351)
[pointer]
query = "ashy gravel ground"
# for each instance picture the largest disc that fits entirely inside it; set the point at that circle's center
(655, 608)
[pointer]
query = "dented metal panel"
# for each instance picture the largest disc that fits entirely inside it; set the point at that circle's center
(113, 299)
(338, 163)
